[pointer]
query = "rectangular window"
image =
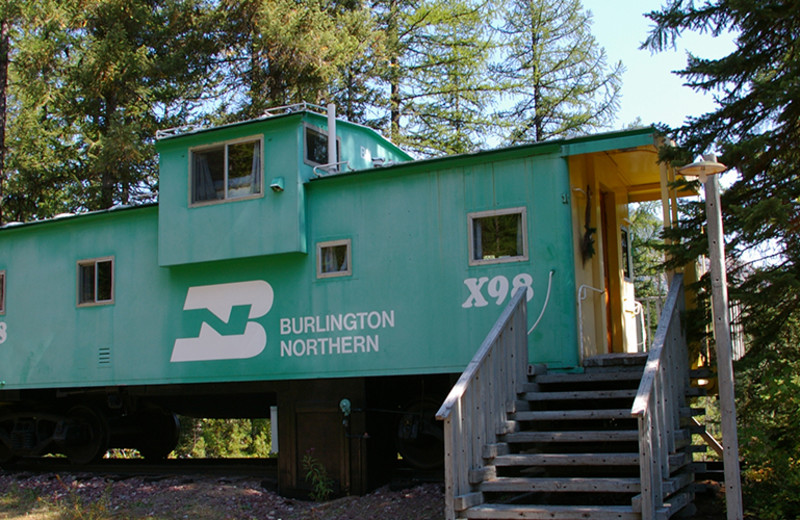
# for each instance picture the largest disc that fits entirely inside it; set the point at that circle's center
(498, 236)
(2, 292)
(96, 281)
(317, 146)
(334, 259)
(227, 171)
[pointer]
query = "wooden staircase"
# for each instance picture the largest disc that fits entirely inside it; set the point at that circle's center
(571, 449)
(609, 442)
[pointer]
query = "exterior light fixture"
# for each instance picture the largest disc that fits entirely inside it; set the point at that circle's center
(706, 171)
(701, 169)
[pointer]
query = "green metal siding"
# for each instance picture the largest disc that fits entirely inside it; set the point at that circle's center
(229, 292)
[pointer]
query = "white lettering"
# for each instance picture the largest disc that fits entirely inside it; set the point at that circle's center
(336, 322)
(308, 324)
(311, 346)
(350, 321)
(347, 343)
(340, 345)
(498, 288)
(523, 280)
(475, 297)
(286, 326)
(376, 323)
(3, 332)
(388, 319)
(358, 344)
(373, 343)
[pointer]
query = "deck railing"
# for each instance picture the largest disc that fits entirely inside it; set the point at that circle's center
(659, 399)
(476, 409)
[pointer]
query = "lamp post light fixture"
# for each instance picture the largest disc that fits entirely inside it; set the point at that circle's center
(706, 171)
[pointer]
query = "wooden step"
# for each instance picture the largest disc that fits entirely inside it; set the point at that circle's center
(588, 395)
(616, 360)
(676, 460)
(573, 415)
(567, 459)
(590, 377)
(546, 512)
(574, 436)
(552, 485)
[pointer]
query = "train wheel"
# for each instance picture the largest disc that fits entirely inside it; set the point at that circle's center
(162, 431)
(92, 442)
(6, 455)
(420, 437)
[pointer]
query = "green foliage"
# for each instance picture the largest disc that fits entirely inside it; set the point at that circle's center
(281, 52)
(89, 84)
(647, 252)
(755, 129)
(224, 438)
(769, 400)
(317, 476)
(554, 72)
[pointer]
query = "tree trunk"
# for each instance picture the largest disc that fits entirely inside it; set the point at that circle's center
(4, 50)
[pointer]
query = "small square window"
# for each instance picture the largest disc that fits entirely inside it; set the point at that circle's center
(334, 259)
(96, 281)
(317, 146)
(497, 236)
(2, 292)
(227, 171)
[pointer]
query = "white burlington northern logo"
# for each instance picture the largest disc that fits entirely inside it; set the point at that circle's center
(220, 300)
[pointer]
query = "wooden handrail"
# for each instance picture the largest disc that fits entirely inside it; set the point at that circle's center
(654, 356)
(476, 409)
(661, 394)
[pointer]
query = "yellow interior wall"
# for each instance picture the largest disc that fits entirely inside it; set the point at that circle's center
(599, 174)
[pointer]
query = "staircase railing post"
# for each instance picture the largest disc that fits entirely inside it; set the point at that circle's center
(658, 401)
(476, 408)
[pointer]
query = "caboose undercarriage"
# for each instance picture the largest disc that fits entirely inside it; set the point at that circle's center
(360, 429)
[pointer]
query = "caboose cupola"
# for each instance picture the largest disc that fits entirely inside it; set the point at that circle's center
(213, 201)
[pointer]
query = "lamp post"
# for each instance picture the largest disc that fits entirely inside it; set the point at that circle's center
(707, 170)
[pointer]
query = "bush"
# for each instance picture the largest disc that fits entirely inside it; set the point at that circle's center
(224, 438)
(768, 390)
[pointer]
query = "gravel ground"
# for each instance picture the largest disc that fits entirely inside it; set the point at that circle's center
(72, 497)
(200, 498)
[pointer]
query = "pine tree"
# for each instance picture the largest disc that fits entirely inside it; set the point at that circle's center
(755, 129)
(435, 84)
(283, 52)
(557, 77)
(91, 83)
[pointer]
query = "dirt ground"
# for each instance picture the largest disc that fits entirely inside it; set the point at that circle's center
(55, 497)
(50, 496)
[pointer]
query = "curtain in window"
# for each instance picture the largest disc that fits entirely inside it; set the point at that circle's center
(255, 173)
(203, 184)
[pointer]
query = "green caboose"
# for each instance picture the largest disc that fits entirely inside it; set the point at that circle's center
(305, 262)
